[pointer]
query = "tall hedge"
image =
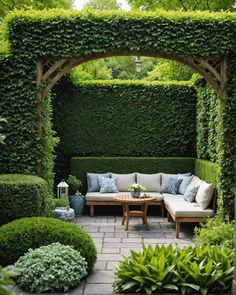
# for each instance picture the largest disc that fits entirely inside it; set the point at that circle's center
(30, 35)
(126, 119)
(22, 196)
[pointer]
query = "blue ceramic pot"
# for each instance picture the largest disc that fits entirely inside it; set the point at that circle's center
(77, 202)
(135, 194)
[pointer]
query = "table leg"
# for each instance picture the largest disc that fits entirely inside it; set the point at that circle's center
(123, 219)
(145, 216)
(127, 216)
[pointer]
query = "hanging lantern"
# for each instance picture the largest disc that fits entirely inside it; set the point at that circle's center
(138, 64)
(62, 189)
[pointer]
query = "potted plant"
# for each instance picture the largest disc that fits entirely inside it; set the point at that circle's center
(76, 199)
(136, 189)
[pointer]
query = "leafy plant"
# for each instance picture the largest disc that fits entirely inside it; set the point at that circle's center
(54, 267)
(206, 269)
(136, 187)
(7, 274)
(2, 137)
(22, 196)
(74, 184)
(17, 237)
(215, 231)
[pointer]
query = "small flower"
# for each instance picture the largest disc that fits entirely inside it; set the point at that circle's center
(135, 187)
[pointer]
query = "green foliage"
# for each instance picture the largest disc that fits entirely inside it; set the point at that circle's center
(215, 137)
(51, 268)
(7, 274)
(74, 184)
(93, 70)
(81, 165)
(2, 137)
(18, 236)
(21, 196)
(61, 203)
(157, 126)
(7, 5)
(102, 5)
(205, 270)
(213, 5)
(215, 231)
(167, 70)
(207, 170)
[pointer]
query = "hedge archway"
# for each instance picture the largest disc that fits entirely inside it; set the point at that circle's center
(42, 46)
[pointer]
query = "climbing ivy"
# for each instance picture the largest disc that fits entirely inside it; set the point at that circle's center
(30, 35)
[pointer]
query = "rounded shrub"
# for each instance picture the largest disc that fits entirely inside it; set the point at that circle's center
(54, 267)
(21, 196)
(18, 236)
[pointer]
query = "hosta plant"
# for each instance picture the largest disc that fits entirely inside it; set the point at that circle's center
(184, 271)
(50, 268)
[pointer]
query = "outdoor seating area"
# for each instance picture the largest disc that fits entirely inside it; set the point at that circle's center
(117, 137)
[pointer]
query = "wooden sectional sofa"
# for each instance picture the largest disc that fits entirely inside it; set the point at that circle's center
(150, 166)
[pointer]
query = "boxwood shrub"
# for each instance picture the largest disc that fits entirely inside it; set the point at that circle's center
(18, 236)
(21, 196)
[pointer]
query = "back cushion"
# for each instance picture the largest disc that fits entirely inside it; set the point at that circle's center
(204, 194)
(165, 178)
(151, 182)
(92, 181)
(124, 180)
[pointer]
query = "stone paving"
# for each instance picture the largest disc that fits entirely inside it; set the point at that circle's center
(113, 243)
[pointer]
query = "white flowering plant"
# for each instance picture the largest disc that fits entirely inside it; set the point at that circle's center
(135, 187)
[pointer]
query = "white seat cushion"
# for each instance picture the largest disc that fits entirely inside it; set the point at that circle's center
(151, 182)
(124, 180)
(204, 194)
(97, 196)
(181, 208)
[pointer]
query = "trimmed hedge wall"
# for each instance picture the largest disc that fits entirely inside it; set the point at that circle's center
(207, 171)
(22, 196)
(126, 119)
(81, 165)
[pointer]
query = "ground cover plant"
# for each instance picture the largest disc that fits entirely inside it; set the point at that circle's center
(18, 236)
(203, 270)
(215, 231)
(7, 276)
(51, 268)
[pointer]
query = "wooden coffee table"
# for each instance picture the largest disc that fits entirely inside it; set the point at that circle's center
(128, 200)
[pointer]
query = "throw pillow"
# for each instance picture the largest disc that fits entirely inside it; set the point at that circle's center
(107, 185)
(185, 183)
(191, 192)
(204, 194)
(92, 181)
(172, 186)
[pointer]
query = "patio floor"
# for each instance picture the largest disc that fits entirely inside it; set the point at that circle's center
(113, 242)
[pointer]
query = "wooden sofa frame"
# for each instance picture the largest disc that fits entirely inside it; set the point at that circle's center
(92, 204)
(177, 220)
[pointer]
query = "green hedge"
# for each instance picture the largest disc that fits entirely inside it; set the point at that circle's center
(81, 165)
(207, 171)
(126, 119)
(18, 236)
(21, 196)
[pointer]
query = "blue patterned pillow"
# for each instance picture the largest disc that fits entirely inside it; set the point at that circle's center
(172, 186)
(190, 193)
(107, 185)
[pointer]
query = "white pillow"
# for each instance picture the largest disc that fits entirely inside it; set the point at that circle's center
(151, 182)
(165, 178)
(124, 180)
(204, 194)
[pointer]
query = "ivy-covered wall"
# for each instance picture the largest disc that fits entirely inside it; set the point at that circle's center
(126, 119)
(216, 129)
(32, 35)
